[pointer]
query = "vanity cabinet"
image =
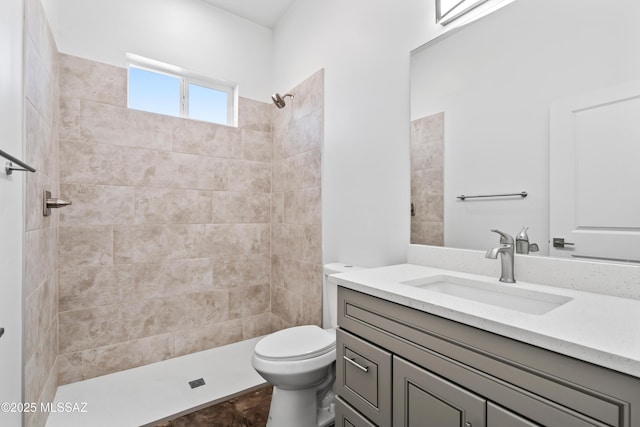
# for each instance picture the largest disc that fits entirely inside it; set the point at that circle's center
(397, 366)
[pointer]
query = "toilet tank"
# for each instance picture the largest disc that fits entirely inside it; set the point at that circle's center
(330, 294)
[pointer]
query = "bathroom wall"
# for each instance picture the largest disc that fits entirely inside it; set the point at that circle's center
(427, 180)
(187, 33)
(296, 227)
(11, 208)
(166, 249)
(40, 280)
(363, 46)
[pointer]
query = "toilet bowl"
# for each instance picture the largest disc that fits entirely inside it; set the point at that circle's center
(300, 364)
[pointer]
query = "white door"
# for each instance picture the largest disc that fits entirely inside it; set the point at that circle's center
(595, 174)
(11, 209)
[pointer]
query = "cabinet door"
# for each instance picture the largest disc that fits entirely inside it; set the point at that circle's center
(346, 416)
(423, 399)
(498, 416)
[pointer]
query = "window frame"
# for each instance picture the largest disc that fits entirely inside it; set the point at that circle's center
(186, 78)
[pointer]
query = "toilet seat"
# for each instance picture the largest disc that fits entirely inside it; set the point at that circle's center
(296, 343)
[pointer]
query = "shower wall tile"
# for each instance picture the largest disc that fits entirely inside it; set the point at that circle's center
(166, 248)
(127, 355)
(97, 204)
(248, 301)
(40, 282)
(309, 96)
(93, 122)
(239, 271)
(94, 81)
(94, 286)
(40, 258)
(261, 324)
(157, 243)
(42, 150)
(277, 206)
(236, 207)
(236, 239)
(296, 231)
(208, 336)
(171, 206)
(427, 180)
(171, 278)
(85, 163)
(248, 176)
(302, 278)
(89, 328)
(39, 82)
(256, 146)
(302, 207)
(70, 368)
(86, 245)
(207, 139)
(255, 115)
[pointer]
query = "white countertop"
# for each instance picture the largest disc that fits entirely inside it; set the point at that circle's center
(596, 328)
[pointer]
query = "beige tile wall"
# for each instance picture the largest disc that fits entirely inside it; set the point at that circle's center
(296, 232)
(427, 180)
(166, 248)
(41, 267)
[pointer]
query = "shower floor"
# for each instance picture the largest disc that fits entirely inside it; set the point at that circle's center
(151, 394)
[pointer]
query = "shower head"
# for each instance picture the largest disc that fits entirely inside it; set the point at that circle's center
(279, 99)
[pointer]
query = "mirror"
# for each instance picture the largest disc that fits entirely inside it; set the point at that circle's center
(480, 112)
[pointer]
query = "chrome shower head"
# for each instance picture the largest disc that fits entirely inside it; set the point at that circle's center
(279, 99)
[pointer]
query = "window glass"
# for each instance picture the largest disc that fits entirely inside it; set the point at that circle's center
(207, 104)
(154, 92)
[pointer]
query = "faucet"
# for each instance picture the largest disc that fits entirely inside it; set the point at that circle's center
(506, 252)
(522, 243)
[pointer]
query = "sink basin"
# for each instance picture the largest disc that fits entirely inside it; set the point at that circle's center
(505, 296)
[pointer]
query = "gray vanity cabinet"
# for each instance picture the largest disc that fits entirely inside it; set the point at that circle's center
(397, 366)
(422, 399)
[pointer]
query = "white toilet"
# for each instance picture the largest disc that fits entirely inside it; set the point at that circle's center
(299, 363)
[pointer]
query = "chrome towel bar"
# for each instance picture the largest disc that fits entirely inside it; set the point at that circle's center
(522, 194)
(8, 166)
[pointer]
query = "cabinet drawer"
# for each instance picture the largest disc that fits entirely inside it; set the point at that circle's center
(346, 416)
(363, 377)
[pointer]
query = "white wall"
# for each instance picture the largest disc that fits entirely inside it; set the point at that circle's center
(364, 46)
(11, 208)
(495, 80)
(188, 33)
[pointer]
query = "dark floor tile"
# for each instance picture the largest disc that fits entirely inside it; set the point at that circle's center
(248, 410)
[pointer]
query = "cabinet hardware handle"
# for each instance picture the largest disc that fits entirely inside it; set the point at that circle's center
(558, 242)
(356, 364)
(467, 424)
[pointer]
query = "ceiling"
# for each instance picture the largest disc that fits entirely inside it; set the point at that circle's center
(262, 12)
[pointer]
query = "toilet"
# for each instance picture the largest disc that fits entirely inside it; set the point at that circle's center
(300, 364)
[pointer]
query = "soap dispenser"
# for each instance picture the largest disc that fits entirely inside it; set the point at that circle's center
(522, 243)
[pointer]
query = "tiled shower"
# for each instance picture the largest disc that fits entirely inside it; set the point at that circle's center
(182, 236)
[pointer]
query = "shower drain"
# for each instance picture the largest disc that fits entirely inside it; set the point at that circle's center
(196, 383)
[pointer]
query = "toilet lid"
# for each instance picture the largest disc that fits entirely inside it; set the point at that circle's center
(297, 343)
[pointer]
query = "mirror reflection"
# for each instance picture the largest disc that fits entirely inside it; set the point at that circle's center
(482, 100)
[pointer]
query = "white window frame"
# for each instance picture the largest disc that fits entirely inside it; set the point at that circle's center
(187, 77)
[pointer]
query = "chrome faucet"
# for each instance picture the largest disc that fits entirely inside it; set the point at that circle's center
(506, 252)
(522, 243)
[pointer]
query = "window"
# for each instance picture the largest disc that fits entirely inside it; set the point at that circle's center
(448, 11)
(166, 89)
